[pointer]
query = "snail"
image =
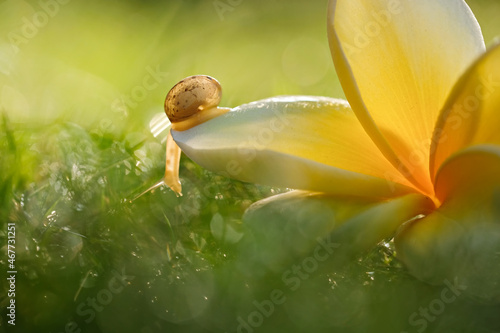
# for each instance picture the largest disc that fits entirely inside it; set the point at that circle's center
(192, 101)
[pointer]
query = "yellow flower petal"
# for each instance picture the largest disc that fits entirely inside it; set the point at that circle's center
(460, 239)
(397, 62)
(301, 142)
(471, 114)
(322, 227)
(474, 169)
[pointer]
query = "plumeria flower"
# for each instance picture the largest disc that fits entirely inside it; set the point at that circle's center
(414, 151)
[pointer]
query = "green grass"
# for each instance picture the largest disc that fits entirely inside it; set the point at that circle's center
(74, 152)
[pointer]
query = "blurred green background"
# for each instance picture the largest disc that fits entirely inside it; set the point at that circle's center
(81, 85)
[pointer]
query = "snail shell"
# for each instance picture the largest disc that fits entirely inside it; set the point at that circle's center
(192, 95)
